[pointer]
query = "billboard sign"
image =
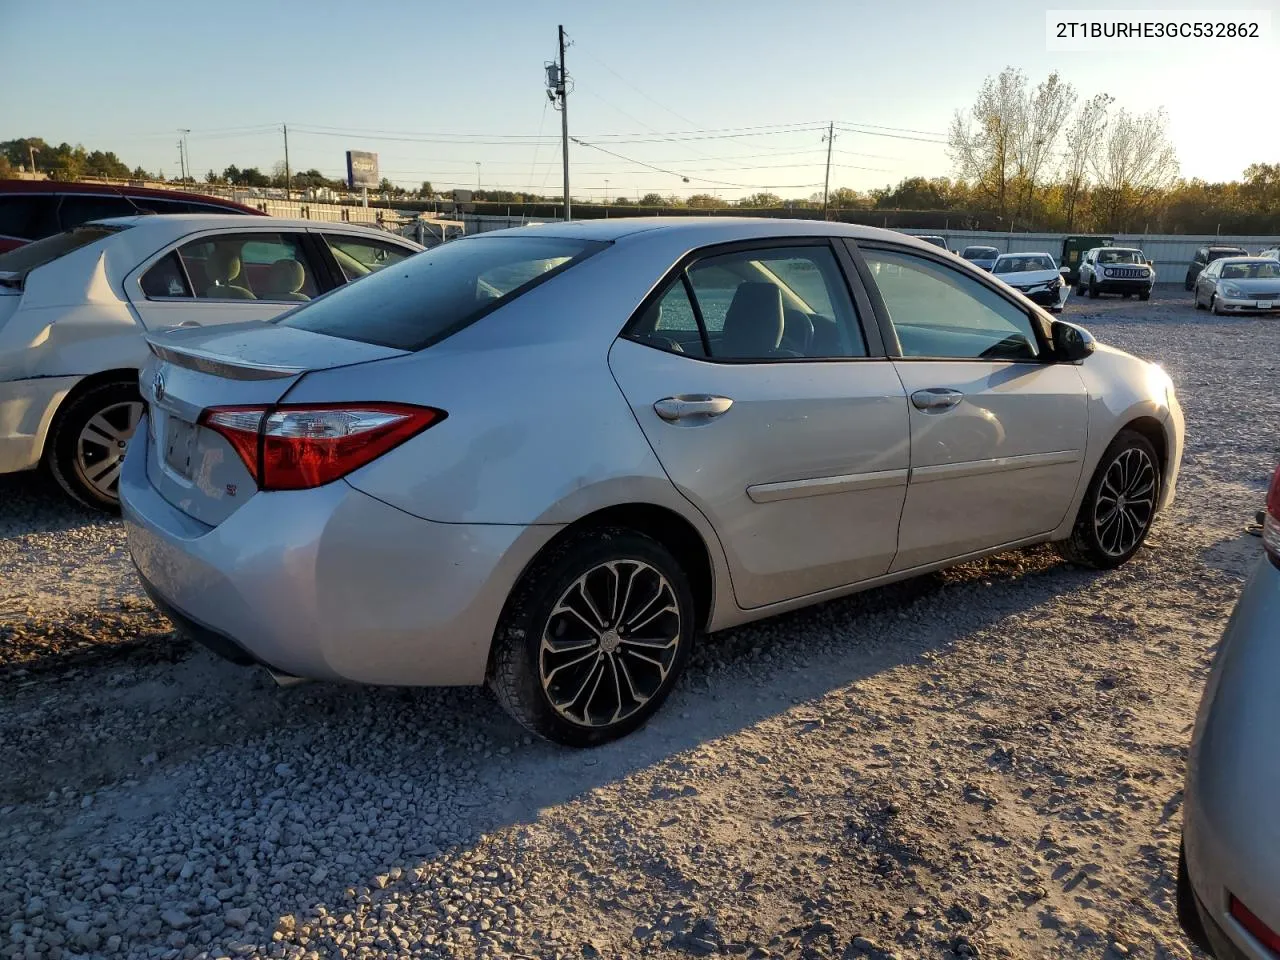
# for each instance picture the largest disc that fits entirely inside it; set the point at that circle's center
(362, 169)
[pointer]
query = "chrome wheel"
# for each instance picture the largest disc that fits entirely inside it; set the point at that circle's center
(610, 642)
(101, 445)
(1125, 502)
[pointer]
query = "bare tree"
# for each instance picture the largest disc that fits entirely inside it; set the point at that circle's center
(1133, 162)
(1004, 141)
(1082, 139)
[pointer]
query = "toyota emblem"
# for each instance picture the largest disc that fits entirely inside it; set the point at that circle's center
(157, 386)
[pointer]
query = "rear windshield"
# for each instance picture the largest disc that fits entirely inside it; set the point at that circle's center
(1023, 264)
(431, 295)
(37, 254)
(980, 253)
(1218, 253)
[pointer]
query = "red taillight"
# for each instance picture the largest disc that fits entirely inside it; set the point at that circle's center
(1259, 930)
(1271, 522)
(293, 447)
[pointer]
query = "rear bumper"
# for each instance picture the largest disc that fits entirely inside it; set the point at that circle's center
(26, 411)
(1230, 830)
(328, 583)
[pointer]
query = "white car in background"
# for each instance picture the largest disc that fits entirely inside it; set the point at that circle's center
(74, 309)
(1034, 275)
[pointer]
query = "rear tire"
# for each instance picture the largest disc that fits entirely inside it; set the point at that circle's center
(87, 442)
(567, 661)
(1119, 505)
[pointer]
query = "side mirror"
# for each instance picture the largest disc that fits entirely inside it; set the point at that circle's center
(1065, 271)
(1070, 342)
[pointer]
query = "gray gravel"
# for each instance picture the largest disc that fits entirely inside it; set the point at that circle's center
(984, 762)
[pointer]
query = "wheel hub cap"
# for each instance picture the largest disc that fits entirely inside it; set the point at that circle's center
(1125, 504)
(101, 446)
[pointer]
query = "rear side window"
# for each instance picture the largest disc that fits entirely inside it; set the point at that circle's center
(30, 217)
(51, 248)
(166, 278)
(76, 210)
(431, 295)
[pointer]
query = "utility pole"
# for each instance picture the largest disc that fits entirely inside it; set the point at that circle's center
(562, 90)
(182, 163)
(477, 176)
(287, 179)
(31, 155)
(826, 185)
(185, 156)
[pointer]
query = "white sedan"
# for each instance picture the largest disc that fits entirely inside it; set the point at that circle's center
(74, 309)
(1035, 276)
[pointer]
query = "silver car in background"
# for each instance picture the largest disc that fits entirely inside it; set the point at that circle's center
(1035, 276)
(983, 257)
(1229, 874)
(1239, 285)
(546, 459)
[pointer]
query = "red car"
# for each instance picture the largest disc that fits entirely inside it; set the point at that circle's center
(35, 209)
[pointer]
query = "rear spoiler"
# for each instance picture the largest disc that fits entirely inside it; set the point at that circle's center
(220, 366)
(13, 279)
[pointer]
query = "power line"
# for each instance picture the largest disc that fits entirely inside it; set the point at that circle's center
(672, 173)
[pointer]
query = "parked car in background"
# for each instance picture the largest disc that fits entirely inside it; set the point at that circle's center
(984, 257)
(1271, 253)
(547, 458)
(1229, 870)
(1239, 285)
(1074, 248)
(74, 309)
(1122, 270)
(1035, 276)
(935, 240)
(35, 209)
(1205, 256)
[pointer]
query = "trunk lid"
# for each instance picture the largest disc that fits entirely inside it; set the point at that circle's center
(244, 364)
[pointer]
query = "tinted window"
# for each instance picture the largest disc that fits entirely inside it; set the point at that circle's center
(28, 217)
(358, 256)
(166, 278)
(431, 295)
(76, 210)
(980, 253)
(249, 266)
(940, 312)
(671, 324)
(780, 303)
(44, 251)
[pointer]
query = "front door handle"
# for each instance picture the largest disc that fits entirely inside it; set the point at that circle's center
(694, 406)
(936, 399)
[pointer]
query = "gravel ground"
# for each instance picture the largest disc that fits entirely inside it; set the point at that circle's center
(986, 762)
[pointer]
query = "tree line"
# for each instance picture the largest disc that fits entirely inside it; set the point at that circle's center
(1025, 158)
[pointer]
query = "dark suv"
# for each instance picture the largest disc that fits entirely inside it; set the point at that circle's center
(35, 209)
(1206, 256)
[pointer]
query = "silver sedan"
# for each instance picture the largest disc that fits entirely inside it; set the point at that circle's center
(546, 459)
(1239, 285)
(1229, 876)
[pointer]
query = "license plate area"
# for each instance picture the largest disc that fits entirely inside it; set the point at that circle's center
(179, 446)
(1265, 304)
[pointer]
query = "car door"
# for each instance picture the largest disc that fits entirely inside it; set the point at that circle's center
(772, 409)
(225, 276)
(998, 430)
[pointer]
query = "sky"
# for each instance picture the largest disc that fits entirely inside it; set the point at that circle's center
(734, 95)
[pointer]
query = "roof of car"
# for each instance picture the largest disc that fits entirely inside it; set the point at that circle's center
(113, 189)
(1246, 260)
(1025, 253)
(705, 230)
(180, 224)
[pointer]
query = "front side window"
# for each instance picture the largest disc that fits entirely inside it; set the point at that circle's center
(358, 256)
(249, 266)
(440, 291)
(943, 313)
(775, 303)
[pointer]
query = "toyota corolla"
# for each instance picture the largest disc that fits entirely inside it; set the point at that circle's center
(547, 459)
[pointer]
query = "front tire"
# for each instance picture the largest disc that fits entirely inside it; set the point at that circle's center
(593, 637)
(1213, 306)
(1093, 289)
(1144, 297)
(88, 439)
(1119, 505)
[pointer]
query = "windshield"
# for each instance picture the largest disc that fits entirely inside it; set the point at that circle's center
(431, 295)
(1266, 270)
(25, 259)
(1121, 256)
(980, 253)
(1023, 264)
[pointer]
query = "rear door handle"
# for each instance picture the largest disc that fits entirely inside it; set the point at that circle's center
(936, 399)
(694, 407)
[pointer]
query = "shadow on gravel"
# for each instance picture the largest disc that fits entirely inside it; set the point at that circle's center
(32, 502)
